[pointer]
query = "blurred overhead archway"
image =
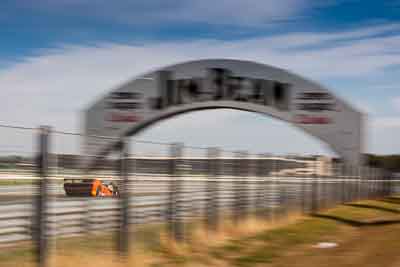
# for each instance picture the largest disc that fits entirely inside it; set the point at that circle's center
(224, 83)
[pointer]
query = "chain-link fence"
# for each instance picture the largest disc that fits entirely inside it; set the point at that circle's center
(160, 183)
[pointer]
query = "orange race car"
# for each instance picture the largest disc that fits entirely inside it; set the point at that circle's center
(90, 187)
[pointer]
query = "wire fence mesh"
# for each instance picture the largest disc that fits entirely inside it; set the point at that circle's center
(159, 183)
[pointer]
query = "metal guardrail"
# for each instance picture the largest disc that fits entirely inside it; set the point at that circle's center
(148, 203)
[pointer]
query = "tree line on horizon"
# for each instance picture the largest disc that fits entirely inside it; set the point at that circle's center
(388, 162)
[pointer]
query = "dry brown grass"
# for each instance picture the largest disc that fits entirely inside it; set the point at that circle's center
(76, 252)
(289, 239)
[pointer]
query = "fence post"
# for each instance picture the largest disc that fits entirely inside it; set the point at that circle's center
(351, 183)
(355, 183)
(373, 183)
(174, 216)
(260, 175)
(343, 184)
(303, 186)
(240, 187)
(335, 184)
(314, 190)
(346, 182)
(379, 183)
(268, 168)
(236, 189)
(384, 181)
(364, 183)
(350, 186)
(368, 183)
(40, 225)
(124, 233)
(388, 182)
(275, 194)
(212, 215)
(283, 196)
(391, 184)
(358, 183)
(330, 192)
(324, 190)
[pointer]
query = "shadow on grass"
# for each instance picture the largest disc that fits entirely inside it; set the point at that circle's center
(370, 206)
(391, 200)
(357, 223)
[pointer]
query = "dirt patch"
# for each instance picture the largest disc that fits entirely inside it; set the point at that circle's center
(371, 246)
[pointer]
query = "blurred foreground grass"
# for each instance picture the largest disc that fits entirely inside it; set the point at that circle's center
(288, 242)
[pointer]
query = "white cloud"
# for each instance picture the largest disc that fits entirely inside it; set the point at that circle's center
(386, 123)
(298, 40)
(155, 11)
(243, 12)
(54, 86)
(383, 135)
(364, 107)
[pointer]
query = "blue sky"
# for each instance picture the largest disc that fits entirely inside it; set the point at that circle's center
(30, 25)
(57, 56)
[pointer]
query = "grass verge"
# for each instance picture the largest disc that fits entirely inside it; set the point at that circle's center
(253, 242)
